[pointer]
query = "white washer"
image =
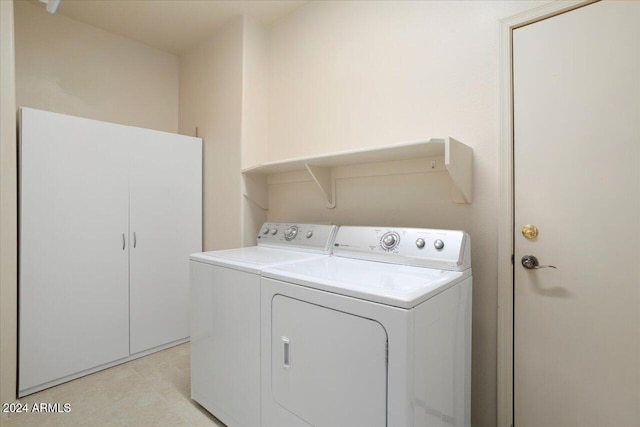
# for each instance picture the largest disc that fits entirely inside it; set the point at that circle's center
(377, 335)
(225, 316)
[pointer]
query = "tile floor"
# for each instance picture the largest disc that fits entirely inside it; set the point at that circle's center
(150, 391)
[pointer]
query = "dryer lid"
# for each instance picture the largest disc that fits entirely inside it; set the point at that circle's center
(390, 284)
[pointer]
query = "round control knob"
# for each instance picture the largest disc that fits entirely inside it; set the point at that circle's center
(390, 241)
(290, 233)
(265, 230)
(309, 234)
(420, 243)
(438, 244)
(274, 231)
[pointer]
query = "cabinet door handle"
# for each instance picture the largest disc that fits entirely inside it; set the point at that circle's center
(123, 242)
(134, 239)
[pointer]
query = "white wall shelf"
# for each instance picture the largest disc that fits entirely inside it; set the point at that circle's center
(458, 161)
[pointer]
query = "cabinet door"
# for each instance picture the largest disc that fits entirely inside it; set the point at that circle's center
(328, 368)
(74, 204)
(166, 227)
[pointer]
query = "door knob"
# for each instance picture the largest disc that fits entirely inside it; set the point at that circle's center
(530, 232)
(530, 262)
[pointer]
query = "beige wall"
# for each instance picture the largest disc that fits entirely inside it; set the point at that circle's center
(66, 66)
(255, 124)
(8, 209)
(211, 100)
(347, 75)
(254, 93)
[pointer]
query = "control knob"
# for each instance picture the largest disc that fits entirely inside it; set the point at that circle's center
(265, 230)
(420, 243)
(309, 234)
(390, 241)
(274, 231)
(290, 233)
(438, 244)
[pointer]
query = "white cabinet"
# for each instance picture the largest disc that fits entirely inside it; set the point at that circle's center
(165, 228)
(85, 188)
(74, 220)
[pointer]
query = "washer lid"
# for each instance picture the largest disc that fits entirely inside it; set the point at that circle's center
(391, 284)
(254, 258)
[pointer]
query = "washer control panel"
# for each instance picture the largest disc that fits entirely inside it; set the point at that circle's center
(310, 237)
(443, 249)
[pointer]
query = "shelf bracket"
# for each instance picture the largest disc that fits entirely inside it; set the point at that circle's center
(255, 189)
(326, 182)
(458, 159)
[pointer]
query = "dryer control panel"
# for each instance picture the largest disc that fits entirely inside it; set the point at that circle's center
(441, 249)
(309, 237)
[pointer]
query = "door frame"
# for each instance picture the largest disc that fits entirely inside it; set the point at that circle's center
(506, 226)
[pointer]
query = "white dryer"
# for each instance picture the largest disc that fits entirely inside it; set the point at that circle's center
(225, 316)
(377, 335)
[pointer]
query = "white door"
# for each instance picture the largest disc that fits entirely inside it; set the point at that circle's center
(328, 368)
(74, 222)
(166, 227)
(577, 179)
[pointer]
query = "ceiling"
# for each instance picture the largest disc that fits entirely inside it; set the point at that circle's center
(171, 25)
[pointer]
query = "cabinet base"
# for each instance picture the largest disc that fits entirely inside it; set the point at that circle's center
(26, 392)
